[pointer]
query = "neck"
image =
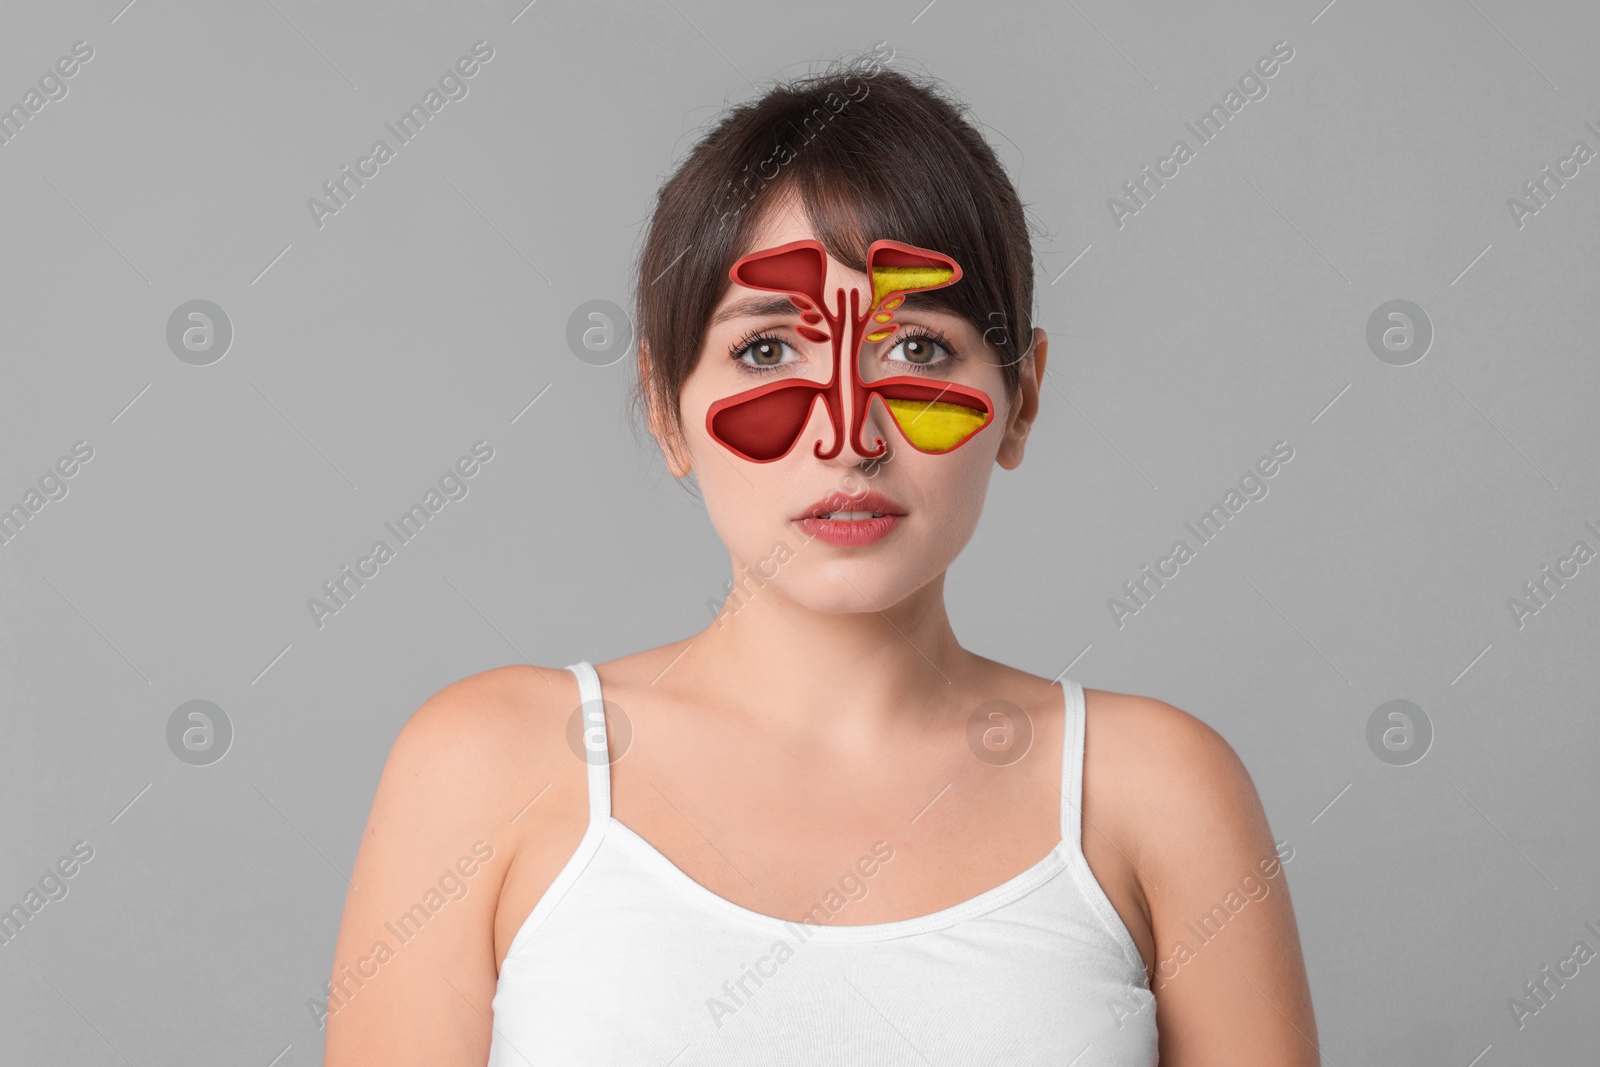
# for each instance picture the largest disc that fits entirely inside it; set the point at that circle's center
(852, 674)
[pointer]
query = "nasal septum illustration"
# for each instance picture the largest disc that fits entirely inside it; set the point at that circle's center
(765, 423)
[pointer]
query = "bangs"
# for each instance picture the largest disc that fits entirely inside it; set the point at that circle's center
(854, 191)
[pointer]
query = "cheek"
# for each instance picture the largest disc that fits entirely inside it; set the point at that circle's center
(694, 400)
(966, 481)
(744, 505)
(956, 483)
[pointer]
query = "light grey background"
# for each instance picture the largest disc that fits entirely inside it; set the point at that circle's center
(368, 355)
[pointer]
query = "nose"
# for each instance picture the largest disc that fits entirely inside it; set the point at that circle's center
(850, 423)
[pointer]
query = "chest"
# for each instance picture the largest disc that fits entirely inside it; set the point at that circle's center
(778, 832)
(784, 834)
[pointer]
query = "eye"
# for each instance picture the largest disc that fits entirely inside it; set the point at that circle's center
(921, 348)
(766, 350)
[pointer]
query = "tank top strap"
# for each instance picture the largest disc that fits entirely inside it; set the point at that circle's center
(1072, 735)
(595, 747)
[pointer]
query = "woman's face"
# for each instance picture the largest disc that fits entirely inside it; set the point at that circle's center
(765, 511)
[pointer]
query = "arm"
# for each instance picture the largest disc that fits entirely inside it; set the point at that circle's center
(1229, 979)
(414, 967)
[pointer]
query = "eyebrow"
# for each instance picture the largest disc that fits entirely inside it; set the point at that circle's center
(767, 305)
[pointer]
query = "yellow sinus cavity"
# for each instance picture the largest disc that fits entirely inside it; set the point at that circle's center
(887, 280)
(934, 426)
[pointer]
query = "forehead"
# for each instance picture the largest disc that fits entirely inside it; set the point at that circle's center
(784, 221)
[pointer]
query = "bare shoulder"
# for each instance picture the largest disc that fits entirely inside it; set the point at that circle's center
(477, 754)
(1164, 740)
(1180, 789)
(440, 840)
(1182, 806)
(478, 720)
(473, 746)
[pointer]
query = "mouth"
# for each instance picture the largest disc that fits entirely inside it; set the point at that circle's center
(842, 507)
(842, 531)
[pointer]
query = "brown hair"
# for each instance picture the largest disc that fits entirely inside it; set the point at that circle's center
(870, 153)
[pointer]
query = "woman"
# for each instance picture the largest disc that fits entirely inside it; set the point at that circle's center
(820, 830)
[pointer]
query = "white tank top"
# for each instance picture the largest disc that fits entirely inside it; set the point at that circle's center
(628, 960)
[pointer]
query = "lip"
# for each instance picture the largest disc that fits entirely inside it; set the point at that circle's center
(851, 533)
(838, 500)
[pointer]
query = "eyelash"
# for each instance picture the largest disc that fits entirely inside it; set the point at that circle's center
(900, 336)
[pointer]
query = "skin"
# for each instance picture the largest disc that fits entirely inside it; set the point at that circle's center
(827, 712)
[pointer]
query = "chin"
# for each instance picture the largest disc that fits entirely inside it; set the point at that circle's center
(846, 587)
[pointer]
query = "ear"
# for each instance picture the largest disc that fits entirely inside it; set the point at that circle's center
(670, 444)
(1029, 380)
